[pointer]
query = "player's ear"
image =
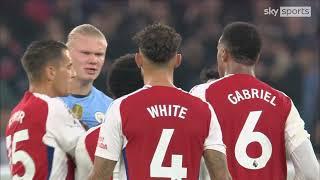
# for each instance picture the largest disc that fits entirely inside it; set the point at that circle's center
(50, 72)
(224, 55)
(138, 59)
(178, 60)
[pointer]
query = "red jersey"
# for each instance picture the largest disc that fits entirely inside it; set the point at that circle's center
(258, 124)
(40, 135)
(85, 150)
(162, 133)
(84, 155)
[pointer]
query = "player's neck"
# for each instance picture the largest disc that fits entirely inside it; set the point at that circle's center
(158, 77)
(240, 69)
(42, 89)
(81, 87)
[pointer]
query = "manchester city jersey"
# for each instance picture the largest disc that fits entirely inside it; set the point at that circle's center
(89, 109)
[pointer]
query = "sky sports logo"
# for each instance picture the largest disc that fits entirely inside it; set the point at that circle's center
(289, 11)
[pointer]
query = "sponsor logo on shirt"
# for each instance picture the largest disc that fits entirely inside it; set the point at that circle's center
(101, 144)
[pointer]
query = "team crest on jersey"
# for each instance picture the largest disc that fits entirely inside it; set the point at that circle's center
(77, 111)
(99, 117)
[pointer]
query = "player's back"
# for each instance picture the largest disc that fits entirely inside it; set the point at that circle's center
(27, 121)
(165, 131)
(252, 116)
(29, 157)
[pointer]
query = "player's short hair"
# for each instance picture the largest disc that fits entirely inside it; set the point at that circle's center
(158, 42)
(243, 42)
(85, 30)
(39, 54)
(124, 76)
(209, 73)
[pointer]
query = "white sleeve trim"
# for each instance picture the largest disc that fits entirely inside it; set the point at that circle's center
(214, 139)
(305, 162)
(200, 91)
(111, 138)
(106, 155)
(82, 159)
(295, 134)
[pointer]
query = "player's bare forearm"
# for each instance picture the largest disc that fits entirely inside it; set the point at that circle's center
(217, 165)
(102, 169)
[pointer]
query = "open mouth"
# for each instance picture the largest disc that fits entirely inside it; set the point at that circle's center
(91, 70)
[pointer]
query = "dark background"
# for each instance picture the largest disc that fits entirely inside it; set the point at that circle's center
(289, 60)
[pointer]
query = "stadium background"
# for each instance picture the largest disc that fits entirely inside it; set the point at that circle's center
(289, 60)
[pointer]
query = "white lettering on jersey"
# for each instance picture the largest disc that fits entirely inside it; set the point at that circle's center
(153, 110)
(243, 94)
(16, 117)
(165, 110)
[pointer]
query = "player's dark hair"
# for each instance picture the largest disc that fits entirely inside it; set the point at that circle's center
(243, 42)
(208, 73)
(39, 54)
(124, 76)
(158, 42)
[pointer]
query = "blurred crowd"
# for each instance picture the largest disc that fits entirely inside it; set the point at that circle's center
(289, 59)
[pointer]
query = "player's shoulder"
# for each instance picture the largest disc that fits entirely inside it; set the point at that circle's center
(93, 130)
(56, 105)
(56, 101)
(280, 94)
(204, 86)
(200, 88)
(283, 97)
(101, 95)
(29, 101)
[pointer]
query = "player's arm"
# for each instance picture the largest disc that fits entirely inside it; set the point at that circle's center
(102, 169)
(299, 147)
(62, 130)
(216, 164)
(305, 162)
(109, 145)
(215, 151)
(199, 91)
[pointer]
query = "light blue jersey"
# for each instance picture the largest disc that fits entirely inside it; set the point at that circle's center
(90, 109)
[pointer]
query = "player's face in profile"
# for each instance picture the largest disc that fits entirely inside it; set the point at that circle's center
(88, 54)
(64, 75)
(220, 63)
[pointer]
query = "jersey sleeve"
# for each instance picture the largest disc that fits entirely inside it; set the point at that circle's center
(295, 134)
(214, 139)
(82, 160)
(110, 141)
(62, 128)
(305, 162)
(199, 91)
